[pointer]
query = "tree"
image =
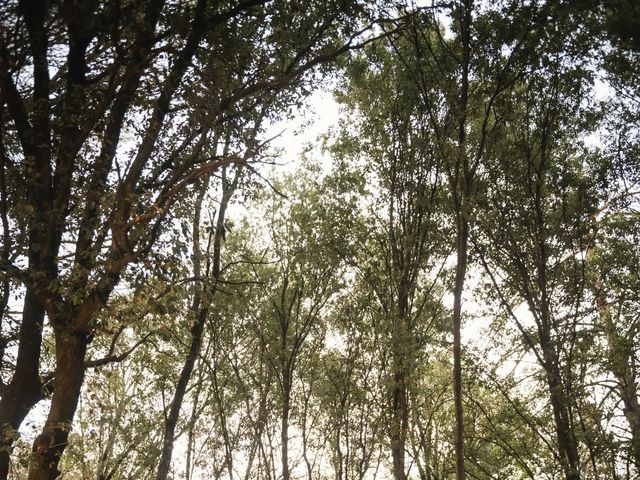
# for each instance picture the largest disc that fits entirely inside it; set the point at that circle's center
(318, 342)
(101, 135)
(304, 277)
(537, 231)
(612, 262)
(400, 249)
(208, 276)
(459, 80)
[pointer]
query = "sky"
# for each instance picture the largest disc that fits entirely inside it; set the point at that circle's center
(319, 114)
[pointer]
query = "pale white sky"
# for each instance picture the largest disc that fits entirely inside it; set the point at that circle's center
(316, 117)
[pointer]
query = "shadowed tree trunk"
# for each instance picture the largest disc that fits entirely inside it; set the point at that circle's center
(200, 308)
(24, 389)
(461, 179)
(49, 445)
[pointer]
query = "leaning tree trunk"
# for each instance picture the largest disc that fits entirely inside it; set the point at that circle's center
(181, 388)
(24, 390)
(200, 307)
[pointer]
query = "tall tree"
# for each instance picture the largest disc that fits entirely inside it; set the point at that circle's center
(460, 75)
(540, 207)
(613, 261)
(99, 141)
(393, 141)
(206, 270)
(304, 277)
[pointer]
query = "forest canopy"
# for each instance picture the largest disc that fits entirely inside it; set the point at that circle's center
(444, 285)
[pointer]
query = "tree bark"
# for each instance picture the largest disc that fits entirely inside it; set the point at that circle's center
(462, 186)
(24, 390)
(71, 347)
(181, 388)
(461, 267)
(559, 404)
(286, 373)
(399, 406)
(200, 311)
(201, 305)
(628, 387)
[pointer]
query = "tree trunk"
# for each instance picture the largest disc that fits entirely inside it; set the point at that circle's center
(284, 427)
(629, 394)
(461, 268)
(559, 404)
(399, 407)
(24, 390)
(178, 397)
(567, 446)
(398, 436)
(259, 425)
(462, 186)
(228, 447)
(71, 347)
(200, 311)
(201, 304)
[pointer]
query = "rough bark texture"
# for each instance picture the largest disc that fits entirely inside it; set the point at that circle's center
(24, 390)
(50, 444)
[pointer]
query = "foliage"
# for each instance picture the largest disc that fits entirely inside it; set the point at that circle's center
(182, 311)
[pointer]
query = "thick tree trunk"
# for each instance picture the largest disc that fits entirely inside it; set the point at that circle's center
(24, 390)
(71, 347)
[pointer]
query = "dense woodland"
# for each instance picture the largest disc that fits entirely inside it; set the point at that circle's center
(445, 285)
